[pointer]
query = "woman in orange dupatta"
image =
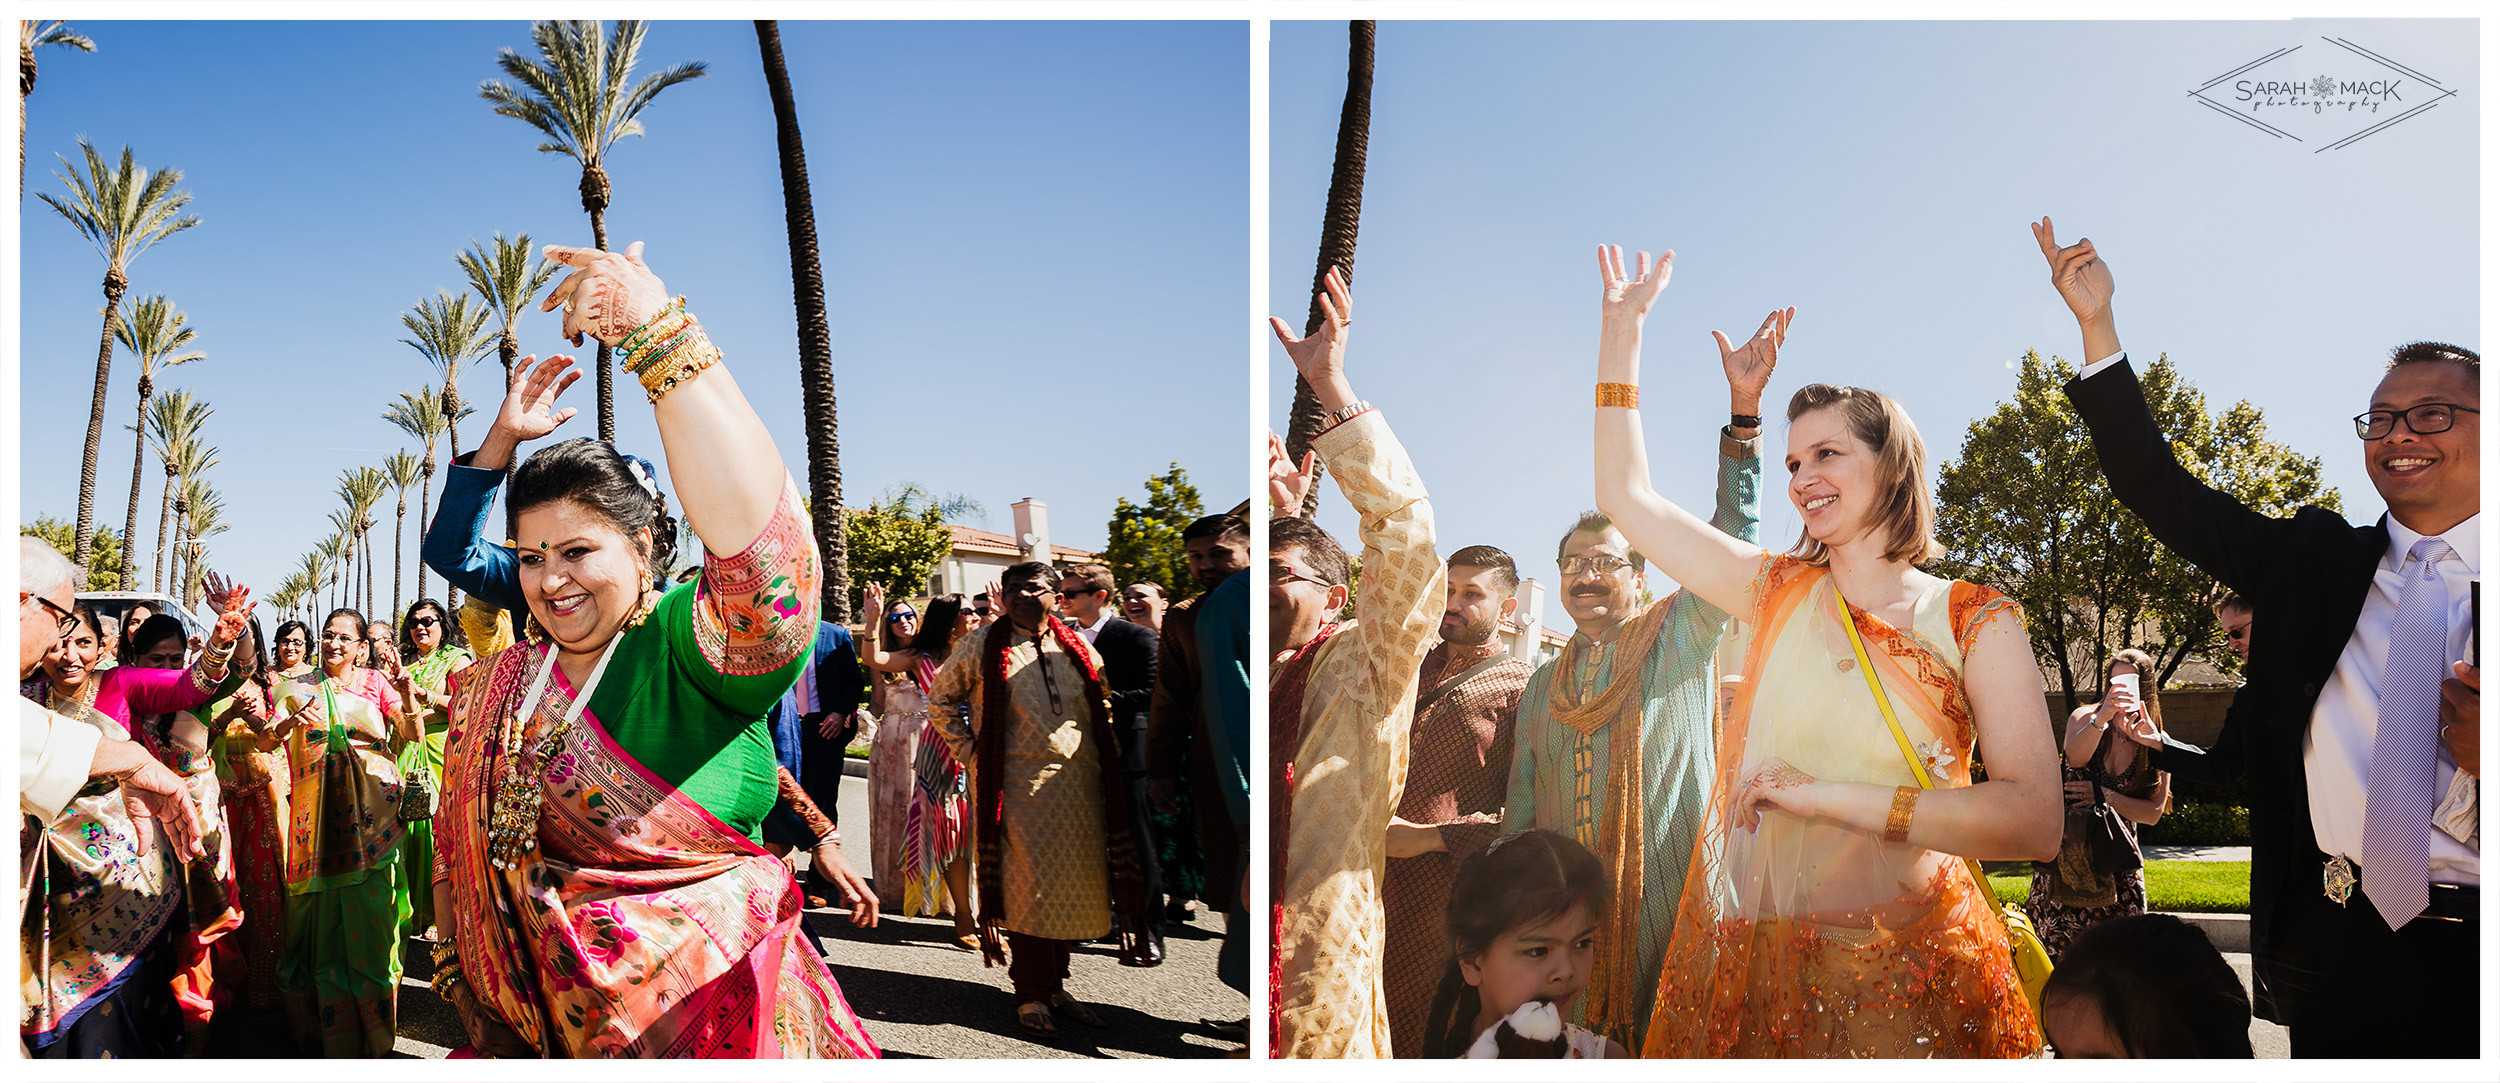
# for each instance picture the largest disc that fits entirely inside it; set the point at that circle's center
(1828, 911)
(600, 882)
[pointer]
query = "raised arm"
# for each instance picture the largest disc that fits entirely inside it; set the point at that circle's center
(162, 691)
(459, 544)
(1705, 560)
(869, 639)
(728, 474)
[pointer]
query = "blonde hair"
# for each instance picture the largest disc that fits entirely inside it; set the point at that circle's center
(1905, 513)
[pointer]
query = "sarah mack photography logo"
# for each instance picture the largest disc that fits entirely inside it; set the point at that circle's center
(2327, 98)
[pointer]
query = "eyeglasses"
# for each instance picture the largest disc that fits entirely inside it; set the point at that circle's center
(1279, 576)
(982, 610)
(2428, 418)
(67, 619)
(1602, 565)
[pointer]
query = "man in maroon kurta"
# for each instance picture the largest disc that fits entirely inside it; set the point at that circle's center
(1466, 701)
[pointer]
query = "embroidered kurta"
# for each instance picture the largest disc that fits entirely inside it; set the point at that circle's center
(1557, 780)
(1458, 763)
(1052, 860)
(1349, 759)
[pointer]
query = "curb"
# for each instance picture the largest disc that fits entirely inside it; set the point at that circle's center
(858, 768)
(2229, 932)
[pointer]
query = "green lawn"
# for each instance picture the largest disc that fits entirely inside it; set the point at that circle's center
(2197, 886)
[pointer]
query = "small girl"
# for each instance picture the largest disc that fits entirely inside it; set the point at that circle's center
(1523, 920)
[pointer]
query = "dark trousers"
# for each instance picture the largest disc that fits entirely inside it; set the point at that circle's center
(1141, 827)
(1232, 962)
(1037, 965)
(2369, 991)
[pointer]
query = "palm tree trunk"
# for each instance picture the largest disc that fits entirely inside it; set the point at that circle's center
(164, 513)
(399, 530)
(595, 194)
(114, 284)
(807, 281)
(1337, 228)
(451, 414)
(138, 463)
(425, 500)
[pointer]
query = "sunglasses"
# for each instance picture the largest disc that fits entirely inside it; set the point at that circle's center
(424, 622)
(898, 618)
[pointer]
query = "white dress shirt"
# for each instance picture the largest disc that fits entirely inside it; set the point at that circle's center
(54, 755)
(2343, 728)
(1089, 631)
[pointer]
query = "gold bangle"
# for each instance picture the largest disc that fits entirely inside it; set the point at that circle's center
(1625, 395)
(1904, 804)
(681, 365)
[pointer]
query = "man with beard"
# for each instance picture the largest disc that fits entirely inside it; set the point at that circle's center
(1340, 698)
(1022, 702)
(1181, 753)
(1457, 772)
(1614, 746)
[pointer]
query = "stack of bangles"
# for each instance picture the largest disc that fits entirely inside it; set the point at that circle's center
(446, 968)
(667, 351)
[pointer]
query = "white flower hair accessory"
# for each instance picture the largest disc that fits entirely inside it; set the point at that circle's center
(642, 476)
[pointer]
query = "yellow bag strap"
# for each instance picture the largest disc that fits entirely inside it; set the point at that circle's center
(1918, 767)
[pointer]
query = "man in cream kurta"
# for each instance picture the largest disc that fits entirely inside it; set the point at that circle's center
(1350, 693)
(1052, 851)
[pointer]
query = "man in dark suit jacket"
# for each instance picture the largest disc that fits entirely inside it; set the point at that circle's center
(2358, 958)
(1128, 675)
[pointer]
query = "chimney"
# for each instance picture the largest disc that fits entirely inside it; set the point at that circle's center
(1033, 528)
(1530, 639)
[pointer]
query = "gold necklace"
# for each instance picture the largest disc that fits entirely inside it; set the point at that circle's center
(84, 700)
(520, 795)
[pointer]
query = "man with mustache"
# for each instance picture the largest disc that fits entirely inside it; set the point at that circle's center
(1457, 771)
(2363, 721)
(1615, 744)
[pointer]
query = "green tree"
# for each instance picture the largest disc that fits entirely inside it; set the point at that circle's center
(174, 421)
(106, 546)
(155, 334)
(1145, 539)
(122, 210)
(898, 539)
(33, 34)
(2024, 508)
(580, 93)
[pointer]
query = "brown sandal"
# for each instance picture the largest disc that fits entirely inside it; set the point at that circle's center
(1076, 1009)
(1034, 1017)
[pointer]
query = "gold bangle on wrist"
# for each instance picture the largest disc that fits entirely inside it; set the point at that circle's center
(1904, 804)
(1624, 395)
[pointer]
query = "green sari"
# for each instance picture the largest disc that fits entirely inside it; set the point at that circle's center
(416, 853)
(340, 971)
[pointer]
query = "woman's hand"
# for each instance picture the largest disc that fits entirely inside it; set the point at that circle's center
(1776, 785)
(833, 869)
(1628, 299)
(2079, 794)
(1321, 357)
(529, 409)
(871, 608)
(235, 602)
(1288, 488)
(1749, 366)
(607, 295)
(2077, 272)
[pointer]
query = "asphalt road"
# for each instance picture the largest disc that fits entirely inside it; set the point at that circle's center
(920, 994)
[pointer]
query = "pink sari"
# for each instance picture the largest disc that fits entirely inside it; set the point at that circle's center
(641, 925)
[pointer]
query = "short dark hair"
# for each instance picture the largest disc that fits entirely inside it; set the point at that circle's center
(2232, 600)
(594, 475)
(1519, 880)
(1095, 576)
(1286, 534)
(1598, 522)
(2415, 353)
(1026, 571)
(1505, 570)
(1223, 528)
(2160, 986)
(442, 617)
(300, 626)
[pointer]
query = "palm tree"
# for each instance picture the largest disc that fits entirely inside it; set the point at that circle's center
(191, 459)
(156, 335)
(362, 488)
(343, 524)
(1337, 229)
(807, 283)
(401, 468)
(173, 425)
(122, 211)
(449, 335)
(508, 279)
(33, 35)
(205, 520)
(580, 93)
(420, 415)
(311, 571)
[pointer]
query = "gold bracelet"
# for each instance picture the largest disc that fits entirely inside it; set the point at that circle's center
(681, 365)
(1904, 803)
(1625, 395)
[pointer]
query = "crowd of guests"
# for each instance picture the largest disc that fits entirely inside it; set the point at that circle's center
(1746, 819)
(584, 794)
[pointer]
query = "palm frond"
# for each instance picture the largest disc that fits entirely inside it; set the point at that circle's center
(505, 275)
(122, 209)
(157, 334)
(37, 33)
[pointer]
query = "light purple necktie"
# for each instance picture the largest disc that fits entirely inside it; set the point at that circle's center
(2396, 821)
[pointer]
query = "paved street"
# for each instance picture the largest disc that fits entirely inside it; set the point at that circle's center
(920, 995)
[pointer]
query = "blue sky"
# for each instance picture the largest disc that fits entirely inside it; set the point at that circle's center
(1033, 234)
(1877, 176)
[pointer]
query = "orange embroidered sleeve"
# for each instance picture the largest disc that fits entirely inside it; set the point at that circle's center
(756, 611)
(1973, 607)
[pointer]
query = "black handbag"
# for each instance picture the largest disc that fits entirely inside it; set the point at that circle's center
(2113, 846)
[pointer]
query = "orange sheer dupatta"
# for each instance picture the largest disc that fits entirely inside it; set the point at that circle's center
(1806, 938)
